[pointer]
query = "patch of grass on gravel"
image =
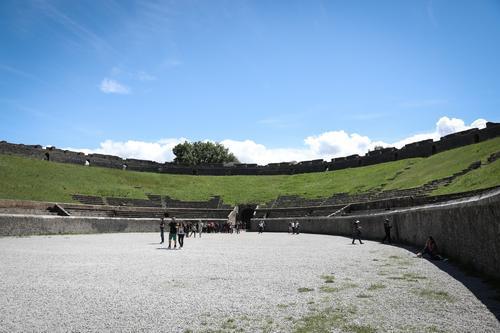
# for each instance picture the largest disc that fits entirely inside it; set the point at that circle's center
(327, 289)
(376, 286)
(359, 328)
(410, 277)
(348, 285)
(436, 295)
(229, 324)
(363, 296)
(321, 321)
(305, 290)
(328, 278)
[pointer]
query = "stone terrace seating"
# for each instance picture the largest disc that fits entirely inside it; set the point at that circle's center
(88, 199)
(214, 202)
(145, 212)
(296, 201)
(296, 211)
(132, 202)
(156, 199)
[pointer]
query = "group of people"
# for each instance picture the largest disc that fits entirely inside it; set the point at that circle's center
(356, 234)
(179, 230)
(294, 228)
(430, 249)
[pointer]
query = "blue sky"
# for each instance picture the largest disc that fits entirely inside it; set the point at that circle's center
(273, 80)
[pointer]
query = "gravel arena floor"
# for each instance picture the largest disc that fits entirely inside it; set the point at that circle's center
(249, 282)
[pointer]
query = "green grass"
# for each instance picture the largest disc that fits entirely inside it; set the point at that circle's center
(435, 295)
(376, 286)
(305, 290)
(30, 179)
(328, 278)
(484, 177)
(445, 164)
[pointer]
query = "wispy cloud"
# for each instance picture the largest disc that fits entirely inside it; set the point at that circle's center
(143, 76)
(81, 32)
(21, 73)
(325, 146)
(109, 86)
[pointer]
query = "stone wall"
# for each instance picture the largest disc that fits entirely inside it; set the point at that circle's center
(466, 230)
(26, 225)
(417, 149)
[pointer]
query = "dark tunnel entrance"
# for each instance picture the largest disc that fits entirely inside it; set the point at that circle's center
(246, 214)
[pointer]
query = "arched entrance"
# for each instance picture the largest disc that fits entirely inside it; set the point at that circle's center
(245, 214)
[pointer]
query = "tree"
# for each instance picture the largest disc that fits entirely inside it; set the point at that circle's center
(195, 153)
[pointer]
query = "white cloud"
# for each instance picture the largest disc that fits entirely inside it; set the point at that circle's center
(323, 146)
(110, 86)
(160, 151)
(143, 76)
(444, 126)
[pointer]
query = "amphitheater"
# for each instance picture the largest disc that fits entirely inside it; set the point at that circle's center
(92, 261)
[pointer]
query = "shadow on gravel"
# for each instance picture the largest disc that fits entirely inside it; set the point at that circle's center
(488, 293)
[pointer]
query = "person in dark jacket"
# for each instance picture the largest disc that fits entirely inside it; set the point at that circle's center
(387, 229)
(356, 232)
(162, 231)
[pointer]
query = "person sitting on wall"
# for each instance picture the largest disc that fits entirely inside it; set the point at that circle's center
(430, 249)
(387, 229)
(356, 234)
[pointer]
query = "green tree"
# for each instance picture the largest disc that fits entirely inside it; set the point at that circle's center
(195, 153)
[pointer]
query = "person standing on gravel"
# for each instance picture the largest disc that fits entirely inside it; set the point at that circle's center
(261, 226)
(172, 235)
(200, 227)
(387, 229)
(356, 232)
(162, 230)
(181, 231)
(297, 227)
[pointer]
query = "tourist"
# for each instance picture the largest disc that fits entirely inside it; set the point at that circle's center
(430, 249)
(180, 234)
(291, 225)
(387, 229)
(356, 232)
(172, 235)
(200, 227)
(162, 230)
(261, 226)
(193, 227)
(297, 227)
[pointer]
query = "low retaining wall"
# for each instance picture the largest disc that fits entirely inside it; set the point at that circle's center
(467, 231)
(25, 225)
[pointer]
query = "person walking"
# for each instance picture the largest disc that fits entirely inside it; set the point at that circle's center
(172, 235)
(181, 231)
(356, 232)
(162, 230)
(290, 227)
(297, 227)
(261, 226)
(387, 229)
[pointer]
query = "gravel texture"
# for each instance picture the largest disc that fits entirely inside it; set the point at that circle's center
(248, 282)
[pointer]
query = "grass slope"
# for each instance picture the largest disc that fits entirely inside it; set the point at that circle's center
(23, 178)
